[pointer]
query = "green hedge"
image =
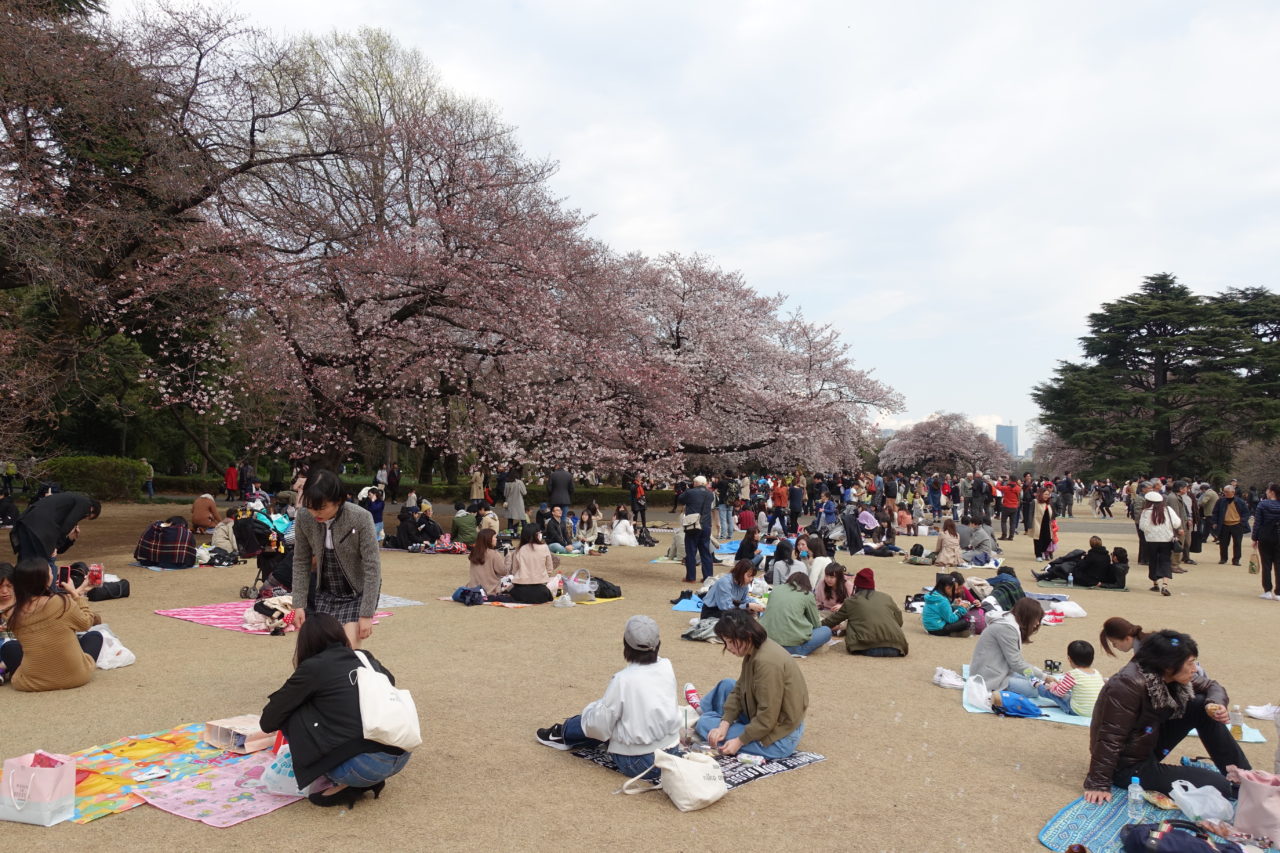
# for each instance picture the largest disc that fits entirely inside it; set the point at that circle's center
(192, 485)
(103, 477)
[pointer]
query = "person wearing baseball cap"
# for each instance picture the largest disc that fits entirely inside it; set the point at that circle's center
(637, 715)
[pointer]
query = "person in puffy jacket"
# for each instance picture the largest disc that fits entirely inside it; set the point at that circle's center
(637, 716)
(318, 709)
(1146, 709)
(942, 616)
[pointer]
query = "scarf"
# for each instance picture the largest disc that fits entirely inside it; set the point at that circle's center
(1171, 696)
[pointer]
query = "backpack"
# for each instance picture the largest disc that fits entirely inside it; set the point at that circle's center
(645, 538)
(1016, 705)
(605, 589)
(470, 596)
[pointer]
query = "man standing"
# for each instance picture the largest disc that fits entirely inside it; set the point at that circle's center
(1230, 523)
(1010, 506)
(1066, 495)
(726, 496)
(1208, 503)
(52, 525)
(1179, 506)
(697, 543)
(795, 506)
(148, 477)
(560, 491)
(393, 482)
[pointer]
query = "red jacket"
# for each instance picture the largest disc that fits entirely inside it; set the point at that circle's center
(1012, 494)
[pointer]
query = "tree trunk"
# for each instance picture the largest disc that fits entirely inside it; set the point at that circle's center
(451, 465)
(426, 470)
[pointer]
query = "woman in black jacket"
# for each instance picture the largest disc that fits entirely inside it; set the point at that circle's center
(319, 710)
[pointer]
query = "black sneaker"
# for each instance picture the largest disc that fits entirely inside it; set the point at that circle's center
(552, 737)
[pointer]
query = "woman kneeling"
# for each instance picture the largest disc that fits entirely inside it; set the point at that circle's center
(762, 713)
(637, 715)
(319, 710)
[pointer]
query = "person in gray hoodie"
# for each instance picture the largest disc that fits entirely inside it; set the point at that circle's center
(998, 654)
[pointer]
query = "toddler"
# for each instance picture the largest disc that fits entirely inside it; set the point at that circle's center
(1077, 691)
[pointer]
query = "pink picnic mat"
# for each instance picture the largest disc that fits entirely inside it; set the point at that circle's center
(228, 616)
(221, 797)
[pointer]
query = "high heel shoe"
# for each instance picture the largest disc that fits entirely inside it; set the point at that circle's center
(346, 797)
(376, 788)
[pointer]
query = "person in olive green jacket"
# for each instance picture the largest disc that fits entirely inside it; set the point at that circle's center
(762, 713)
(465, 527)
(875, 621)
(791, 619)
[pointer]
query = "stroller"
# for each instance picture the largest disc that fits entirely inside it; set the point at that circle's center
(256, 538)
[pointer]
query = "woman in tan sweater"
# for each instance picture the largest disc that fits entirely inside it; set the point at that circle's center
(531, 567)
(49, 655)
(488, 566)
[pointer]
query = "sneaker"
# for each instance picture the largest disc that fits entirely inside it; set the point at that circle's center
(948, 678)
(1268, 596)
(1164, 590)
(1263, 712)
(691, 697)
(552, 737)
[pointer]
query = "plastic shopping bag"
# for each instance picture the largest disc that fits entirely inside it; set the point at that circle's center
(38, 788)
(976, 692)
(279, 778)
(1205, 803)
(113, 655)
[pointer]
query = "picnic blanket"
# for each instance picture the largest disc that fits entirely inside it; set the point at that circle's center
(692, 604)
(385, 600)
(104, 774)
(731, 547)
(1055, 714)
(222, 796)
(1058, 584)
(1097, 827)
(138, 565)
(229, 615)
(736, 773)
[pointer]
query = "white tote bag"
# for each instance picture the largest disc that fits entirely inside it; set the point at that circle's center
(693, 781)
(387, 713)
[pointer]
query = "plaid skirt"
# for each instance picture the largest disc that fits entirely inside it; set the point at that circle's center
(334, 594)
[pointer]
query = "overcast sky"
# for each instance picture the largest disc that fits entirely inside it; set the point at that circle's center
(955, 186)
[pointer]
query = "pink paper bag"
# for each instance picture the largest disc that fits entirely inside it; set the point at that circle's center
(1258, 810)
(38, 788)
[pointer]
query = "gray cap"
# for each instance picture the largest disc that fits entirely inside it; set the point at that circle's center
(641, 634)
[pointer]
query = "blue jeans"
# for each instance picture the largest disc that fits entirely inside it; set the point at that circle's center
(697, 545)
(726, 521)
(821, 636)
(713, 707)
(1021, 685)
(151, 488)
(1063, 702)
(628, 765)
(368, 768)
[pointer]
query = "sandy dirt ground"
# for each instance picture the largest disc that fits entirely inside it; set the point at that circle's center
(907, 768)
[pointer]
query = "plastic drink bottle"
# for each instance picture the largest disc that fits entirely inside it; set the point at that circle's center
(1236, 722)
(1136, 803)
(1071, 579)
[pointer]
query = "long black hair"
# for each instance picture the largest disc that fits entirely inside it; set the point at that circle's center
(1163, 653)
(528, 535)
(31, 580)
(318, 632)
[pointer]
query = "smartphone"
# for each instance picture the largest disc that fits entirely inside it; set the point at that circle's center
(64, 574)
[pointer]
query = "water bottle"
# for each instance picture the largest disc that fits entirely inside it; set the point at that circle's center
(1137, 806)
(1236, 722)
(1071, 579)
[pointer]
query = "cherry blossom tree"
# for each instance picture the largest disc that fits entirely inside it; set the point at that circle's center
(946, 442)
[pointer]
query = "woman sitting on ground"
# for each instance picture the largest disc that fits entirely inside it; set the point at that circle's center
(637, 716)
(942, 615)
(762, 713)
(488, 564)
(622, 533)
(731, 592)
(906, 522)
(47, 655)
(1145, 710)
(531, 567)
(784, 563)
(318, 709)
(791, 620)
(749, 548)
(204, 514)
(224, 536)
(746, 519)
(167, 544)
(873, 621)
(998, 655)
(818, 559)
(834, 589)
(946, 551)
(587, 532)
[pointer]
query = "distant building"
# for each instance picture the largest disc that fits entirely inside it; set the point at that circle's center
(1007, 437)
(887, 433)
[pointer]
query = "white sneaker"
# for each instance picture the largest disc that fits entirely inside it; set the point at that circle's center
(1264, 712)
(1268, 596)
(944, 677)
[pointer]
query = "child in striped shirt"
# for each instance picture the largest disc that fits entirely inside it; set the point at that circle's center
(1077, 690)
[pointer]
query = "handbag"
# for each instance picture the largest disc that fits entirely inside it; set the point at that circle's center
(387, 713)
(692, 781)
(579, 586)
(38, 788)
(1258, 809)
(1172, 836)
(109, 590)
(691, 521)
(1177, 546)
(1197, 542)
